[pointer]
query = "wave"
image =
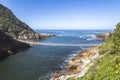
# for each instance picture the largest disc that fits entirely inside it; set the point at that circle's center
(88, 37)
(71, 56)
(46, 76)
(67, 35)
(92, 36)
(82, 37)
(62, 67)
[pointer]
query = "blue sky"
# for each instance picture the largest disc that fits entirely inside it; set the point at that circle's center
(66, 14)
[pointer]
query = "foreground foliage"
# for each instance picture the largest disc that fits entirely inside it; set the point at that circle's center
(107, 68)
(112, 44)
(12, 26)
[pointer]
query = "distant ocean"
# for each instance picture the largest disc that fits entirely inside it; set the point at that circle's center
(40, 61)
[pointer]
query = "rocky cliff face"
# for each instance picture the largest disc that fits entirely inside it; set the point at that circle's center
(9, 46)
(12, 30)
(15, 28)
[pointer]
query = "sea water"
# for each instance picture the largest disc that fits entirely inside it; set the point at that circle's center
(42, 60)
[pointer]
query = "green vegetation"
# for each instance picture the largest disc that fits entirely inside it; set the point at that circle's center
(112, 44)
(107, 68)
(10, 24)
(15, 28)
(12, 28)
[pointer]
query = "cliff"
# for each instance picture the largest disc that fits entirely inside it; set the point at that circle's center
(12, 31)
(15, 28)
(9, 46)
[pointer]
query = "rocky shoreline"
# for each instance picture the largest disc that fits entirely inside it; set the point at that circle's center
(79, 65)
(33, 36)
(10, 46)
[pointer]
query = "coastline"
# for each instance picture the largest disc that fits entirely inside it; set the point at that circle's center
(103, 36)
(10, 46)
(12, 29)
(79, 65)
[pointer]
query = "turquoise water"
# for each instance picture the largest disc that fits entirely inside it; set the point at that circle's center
(40, 61)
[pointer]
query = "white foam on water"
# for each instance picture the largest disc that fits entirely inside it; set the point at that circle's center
(70, 57)
(46, 77)
(67, 59)
(62, 67)
(91, 37)
(60, 44)
(82, 36)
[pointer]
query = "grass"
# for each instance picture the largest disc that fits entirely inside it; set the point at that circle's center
(107, 68)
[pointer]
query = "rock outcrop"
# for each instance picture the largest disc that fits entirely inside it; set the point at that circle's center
(15, 28)
(12, 30)
(103, 36)
(9, 46)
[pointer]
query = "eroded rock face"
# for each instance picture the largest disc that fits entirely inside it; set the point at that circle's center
(12, 30)
(9, 46)
(15, 28)
(103, 36)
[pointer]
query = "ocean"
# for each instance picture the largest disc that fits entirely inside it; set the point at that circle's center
(42, 60)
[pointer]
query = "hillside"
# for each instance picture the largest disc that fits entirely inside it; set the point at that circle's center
(12, 30)
(15, 28)
(100, 64)
(107, 68)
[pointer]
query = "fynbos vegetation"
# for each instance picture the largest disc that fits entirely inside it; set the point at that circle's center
(107, 68)
(112, 44)
(11, 29)
(15, 28)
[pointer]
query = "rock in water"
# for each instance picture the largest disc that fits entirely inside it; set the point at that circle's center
(103, 36)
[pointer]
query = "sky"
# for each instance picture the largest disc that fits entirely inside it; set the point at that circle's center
(66, 14)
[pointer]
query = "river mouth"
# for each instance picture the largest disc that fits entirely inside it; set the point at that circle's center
(41, 60)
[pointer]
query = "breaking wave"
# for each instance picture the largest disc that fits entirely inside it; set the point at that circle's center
(88, 37)
(46, 77)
